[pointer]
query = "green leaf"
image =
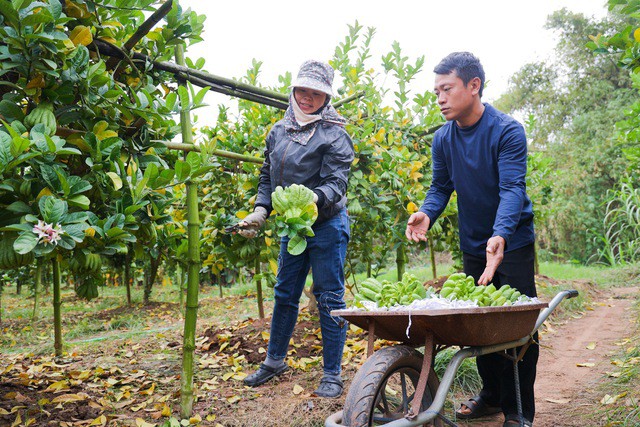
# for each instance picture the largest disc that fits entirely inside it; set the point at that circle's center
(65, 242)
(297, 245)
(197, 100)
(25, 242)
(194, 160)
(55, 8)
(184, 97)
(170, 102)
(183, 169)
(117, 181)
(76, 231)
(19, 207)
(80, 201)
(11, 111)
(9, 12)
(53, 210)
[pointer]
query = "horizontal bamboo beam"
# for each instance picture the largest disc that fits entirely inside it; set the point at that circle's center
(220, 153)
(143, 30)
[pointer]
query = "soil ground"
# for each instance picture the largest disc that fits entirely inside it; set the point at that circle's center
(136, 382)
(575, 357)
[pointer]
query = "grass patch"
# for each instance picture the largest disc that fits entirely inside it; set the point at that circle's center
(622, 385)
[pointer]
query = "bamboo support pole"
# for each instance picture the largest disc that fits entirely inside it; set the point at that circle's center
(142, 31)
(193, 277)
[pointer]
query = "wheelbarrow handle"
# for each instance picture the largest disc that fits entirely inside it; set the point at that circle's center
(544, 314)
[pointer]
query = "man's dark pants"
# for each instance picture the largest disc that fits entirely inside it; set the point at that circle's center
(496, 371)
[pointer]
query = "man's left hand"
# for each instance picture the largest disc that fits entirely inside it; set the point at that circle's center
(495, 254)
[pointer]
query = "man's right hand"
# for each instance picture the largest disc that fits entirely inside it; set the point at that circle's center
(250, 225)
(417, 227)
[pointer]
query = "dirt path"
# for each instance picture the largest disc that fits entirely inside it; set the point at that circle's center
(564, 389)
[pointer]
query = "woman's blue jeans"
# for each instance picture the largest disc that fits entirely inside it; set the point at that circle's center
(325, 255)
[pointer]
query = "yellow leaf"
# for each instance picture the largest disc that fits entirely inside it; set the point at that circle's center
(166, 411)
(411, 207)
(101, 130)
(100, 421)
(608, 400)
(66, 398)
(297, 389)
(36, 82)
(44, 192)
(234, 399)
(228, 375)
(17, 421)
(242, 214)
(81, 35)
(150, 390)
(558, 401)
(265, 335)
(273, 265)
(4, 411)
(58, 385)
(142, 423)
(117, 182)
(585, 365)
(74, 10)
(210, 417)
(30, 421)
(591, 346)
(636, 34)
(195, 419)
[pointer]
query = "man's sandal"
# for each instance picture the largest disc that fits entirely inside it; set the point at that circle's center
(513, 420)
(479, 408)
(329, 387)
(264, 374)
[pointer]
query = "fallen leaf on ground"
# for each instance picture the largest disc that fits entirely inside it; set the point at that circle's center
(585, 365)
(591, 346)
(297, 389)
(558, 401)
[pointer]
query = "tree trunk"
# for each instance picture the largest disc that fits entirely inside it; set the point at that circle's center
(433, 259)
(401, 261)
(57, 317)
(36, 289)
(18, 286)
(150, 280)
(127, 274)
(259, 290)
(193, 278)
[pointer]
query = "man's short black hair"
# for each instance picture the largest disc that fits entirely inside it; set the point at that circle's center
(466, 65)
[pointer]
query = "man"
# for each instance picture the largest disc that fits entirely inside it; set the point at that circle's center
(481, 153)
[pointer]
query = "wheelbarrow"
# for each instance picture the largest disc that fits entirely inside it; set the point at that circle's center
(397, 385)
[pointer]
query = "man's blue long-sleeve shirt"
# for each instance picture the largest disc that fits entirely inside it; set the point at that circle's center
(485, 164)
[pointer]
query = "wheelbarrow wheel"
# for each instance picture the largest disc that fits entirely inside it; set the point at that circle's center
(383, 388)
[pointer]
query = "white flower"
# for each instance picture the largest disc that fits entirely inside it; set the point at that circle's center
(47, 233)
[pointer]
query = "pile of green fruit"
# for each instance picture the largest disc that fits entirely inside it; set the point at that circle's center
(296, 214)
(459, 286)
(388, 294)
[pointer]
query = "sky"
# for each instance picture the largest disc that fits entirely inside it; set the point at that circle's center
(503, 34)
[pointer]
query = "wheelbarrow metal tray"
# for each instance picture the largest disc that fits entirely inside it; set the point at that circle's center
(474, 326)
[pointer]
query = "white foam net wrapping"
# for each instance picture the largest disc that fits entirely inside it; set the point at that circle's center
(435, 302)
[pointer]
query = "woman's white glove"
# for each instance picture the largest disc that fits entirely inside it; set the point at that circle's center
(250, 225)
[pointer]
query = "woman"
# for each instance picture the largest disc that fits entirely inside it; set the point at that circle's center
(309, 147)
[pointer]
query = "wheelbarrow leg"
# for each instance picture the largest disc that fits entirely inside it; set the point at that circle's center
(424, 376)
(516, 377)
